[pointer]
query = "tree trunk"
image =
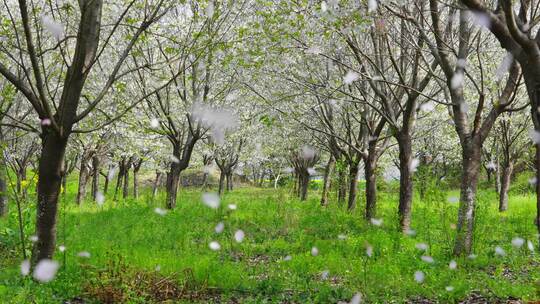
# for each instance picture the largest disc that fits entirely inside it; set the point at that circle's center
(471, 156)
(3, 184)
(405, 181)
(505, 185)
(353, 186)
(106, 185)
(125, 192)
(83, 182)
(370, 168)
(229, 181)
(136, 183)
(156, 184)
(120, 177)
(537, 220)
(221, 182)
(497, 177)
(95, 176)
(327, 180)
(172, 185)
(49, 182)
(304, 184)
(342, 185)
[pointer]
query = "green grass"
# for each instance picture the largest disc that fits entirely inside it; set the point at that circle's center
(129, 235)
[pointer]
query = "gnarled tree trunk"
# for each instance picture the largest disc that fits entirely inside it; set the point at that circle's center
(96, 163)
(505, 185)
(471, 156)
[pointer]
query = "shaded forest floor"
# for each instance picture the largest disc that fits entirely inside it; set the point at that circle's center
(139, 256)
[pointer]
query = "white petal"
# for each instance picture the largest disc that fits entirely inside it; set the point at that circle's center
(239, 236)
(419, 276)
(25, 267)
(45, 270)
(214, 246)
(211, 200)
(219, 227)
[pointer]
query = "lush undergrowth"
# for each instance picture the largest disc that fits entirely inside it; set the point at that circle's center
(134, 250)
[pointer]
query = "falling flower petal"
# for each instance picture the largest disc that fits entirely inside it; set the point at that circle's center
(154, 123)
(53, 27)
(376, 222)
(84, 254)
(232, 206)
(25, 267)
(535, 136)
(314, 251)
(219, 227)
(449, 288)
(457, 80)
(356, 299)
(421, 246)
(287, 258)
(499, 251)
(350, 77)
(62, 248)
(372, 5)
(452, 265)
(239, 236)
(214, 246)
(45, 270)
(518, 242)
(100, 198)
(369, 250)
(419, 276)
(211, 200)
(427, 259)
(160, 211)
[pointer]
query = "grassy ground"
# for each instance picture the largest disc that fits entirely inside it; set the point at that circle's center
(128, 242)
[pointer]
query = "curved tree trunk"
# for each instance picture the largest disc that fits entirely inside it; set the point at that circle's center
(327, 180)
(505, 185)
(370, 167)
(353, 186)
(471, 156)
(83, 182)
(405, 181)
(49, 182)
